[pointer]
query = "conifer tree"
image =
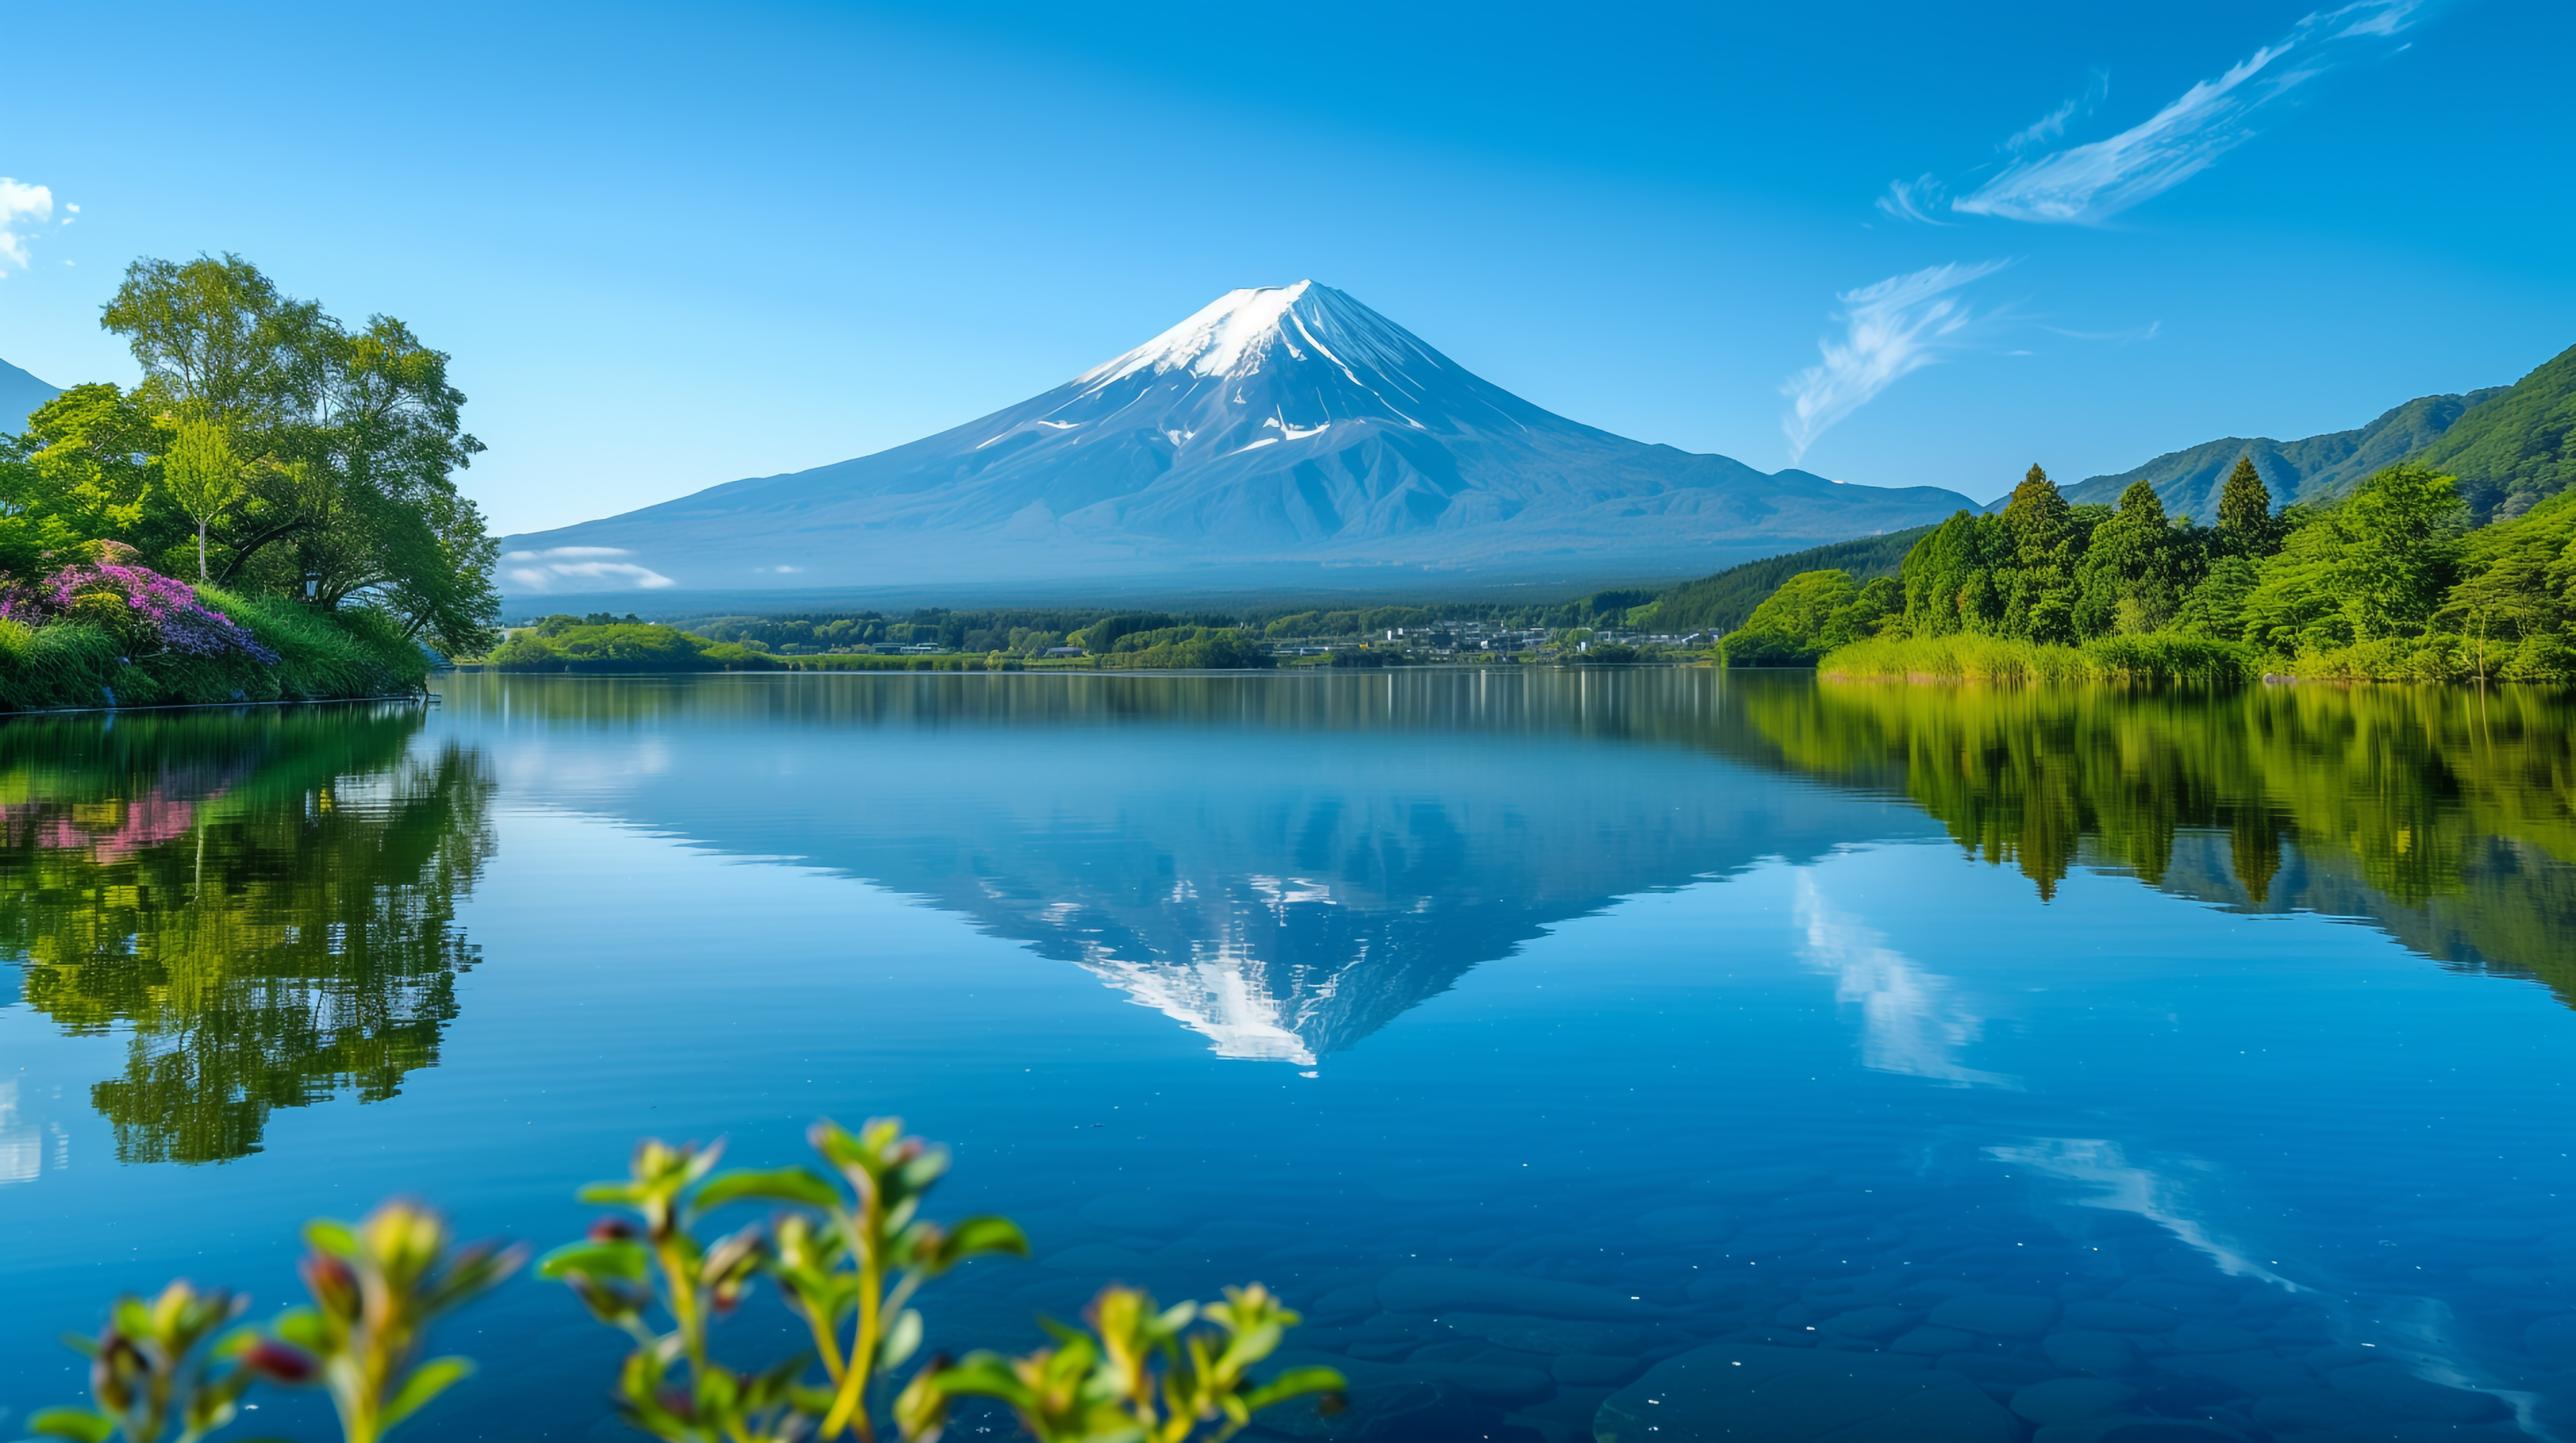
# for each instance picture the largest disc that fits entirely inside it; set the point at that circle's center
(2245, 508)
(2046, 543)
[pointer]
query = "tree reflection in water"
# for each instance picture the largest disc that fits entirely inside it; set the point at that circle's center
(266, 901)
(2444, 815)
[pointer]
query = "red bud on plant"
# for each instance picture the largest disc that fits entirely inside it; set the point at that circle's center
(612, 1230)
(272, 1359)
(332, 1284)
(108, 1368)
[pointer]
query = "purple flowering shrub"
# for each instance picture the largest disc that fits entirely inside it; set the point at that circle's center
(152, 613)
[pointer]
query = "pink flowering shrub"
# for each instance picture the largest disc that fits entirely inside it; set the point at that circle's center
(152, 613)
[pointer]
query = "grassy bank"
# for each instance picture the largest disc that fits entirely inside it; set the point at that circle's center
(321, 655)
(2137, 659)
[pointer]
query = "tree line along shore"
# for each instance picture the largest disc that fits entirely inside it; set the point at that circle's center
(2390, 582)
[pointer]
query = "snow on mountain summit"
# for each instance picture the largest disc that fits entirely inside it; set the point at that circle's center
(1278, 425)
(1237, 331)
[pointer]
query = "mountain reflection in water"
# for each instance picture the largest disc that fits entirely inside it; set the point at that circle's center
(1283, 864)
(263, 901)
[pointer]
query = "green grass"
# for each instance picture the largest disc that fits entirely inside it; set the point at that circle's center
(2136, 659)
(321, 656)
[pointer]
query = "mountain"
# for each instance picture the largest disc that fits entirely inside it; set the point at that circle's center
(2313, 469)
(1280, 427)
(1720, 603)
(2513, 452)
(20, 394)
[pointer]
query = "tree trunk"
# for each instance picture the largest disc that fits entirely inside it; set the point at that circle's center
(201, 552)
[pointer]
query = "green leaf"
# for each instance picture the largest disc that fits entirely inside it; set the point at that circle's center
(332, 1236)
(627, 1260)
(786, 1184)
(78, 1423)
(608, 1194)
(302, 1327)
(1296, 1382)
(1064, 1334)
(902, 1338)
(426, 1382)
(982, 1236)
(984, 1375)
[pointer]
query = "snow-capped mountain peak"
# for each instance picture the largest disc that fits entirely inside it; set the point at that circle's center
(1236, 334)
(1213, 342)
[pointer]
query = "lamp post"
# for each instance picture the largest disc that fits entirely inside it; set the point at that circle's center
(312, 586)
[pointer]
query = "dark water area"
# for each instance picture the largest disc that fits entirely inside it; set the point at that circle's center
(1664, 1054)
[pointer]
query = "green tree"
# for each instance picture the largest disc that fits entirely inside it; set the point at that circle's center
(93, 472)
(203, 475)
(217, 335)
(31, 529)
(2127, 579)
(2405, 524)
(1949, 576)
(2216, 607)
(1787, 628)
(2373, 566)
(2518, 581)
(2245, 520)
(2047, 539)
(355, 436)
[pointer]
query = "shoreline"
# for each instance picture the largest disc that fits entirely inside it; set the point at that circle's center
(423, 697)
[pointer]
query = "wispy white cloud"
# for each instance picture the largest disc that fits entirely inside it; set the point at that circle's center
(545, 570)
(1912, 1021)
(1916, 200)
(2131, 336)
(2052, 125)
(1890, 330)
(2090, 183)
(24, 211)
(2159, 1197)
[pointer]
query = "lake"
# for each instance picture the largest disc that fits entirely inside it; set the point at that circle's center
(1662, 1053)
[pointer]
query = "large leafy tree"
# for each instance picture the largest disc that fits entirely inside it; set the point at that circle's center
(347, 444)
(2519, 577)
(2376, 565)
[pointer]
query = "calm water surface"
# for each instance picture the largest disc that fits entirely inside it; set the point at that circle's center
(1856, 1059)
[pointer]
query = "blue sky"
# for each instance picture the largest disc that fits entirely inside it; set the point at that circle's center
(1896, 243)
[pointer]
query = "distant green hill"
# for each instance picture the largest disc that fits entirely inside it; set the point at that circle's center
(2513, 452)
(1720, 603)
(2317, 468)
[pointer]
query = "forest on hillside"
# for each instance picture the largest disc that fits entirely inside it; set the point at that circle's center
(2389, 582)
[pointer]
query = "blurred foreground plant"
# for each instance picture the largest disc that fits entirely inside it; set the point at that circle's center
(150, 1370)
(847, 1263)
(849, 1252)
(376, 1288)
(1141, 1375)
